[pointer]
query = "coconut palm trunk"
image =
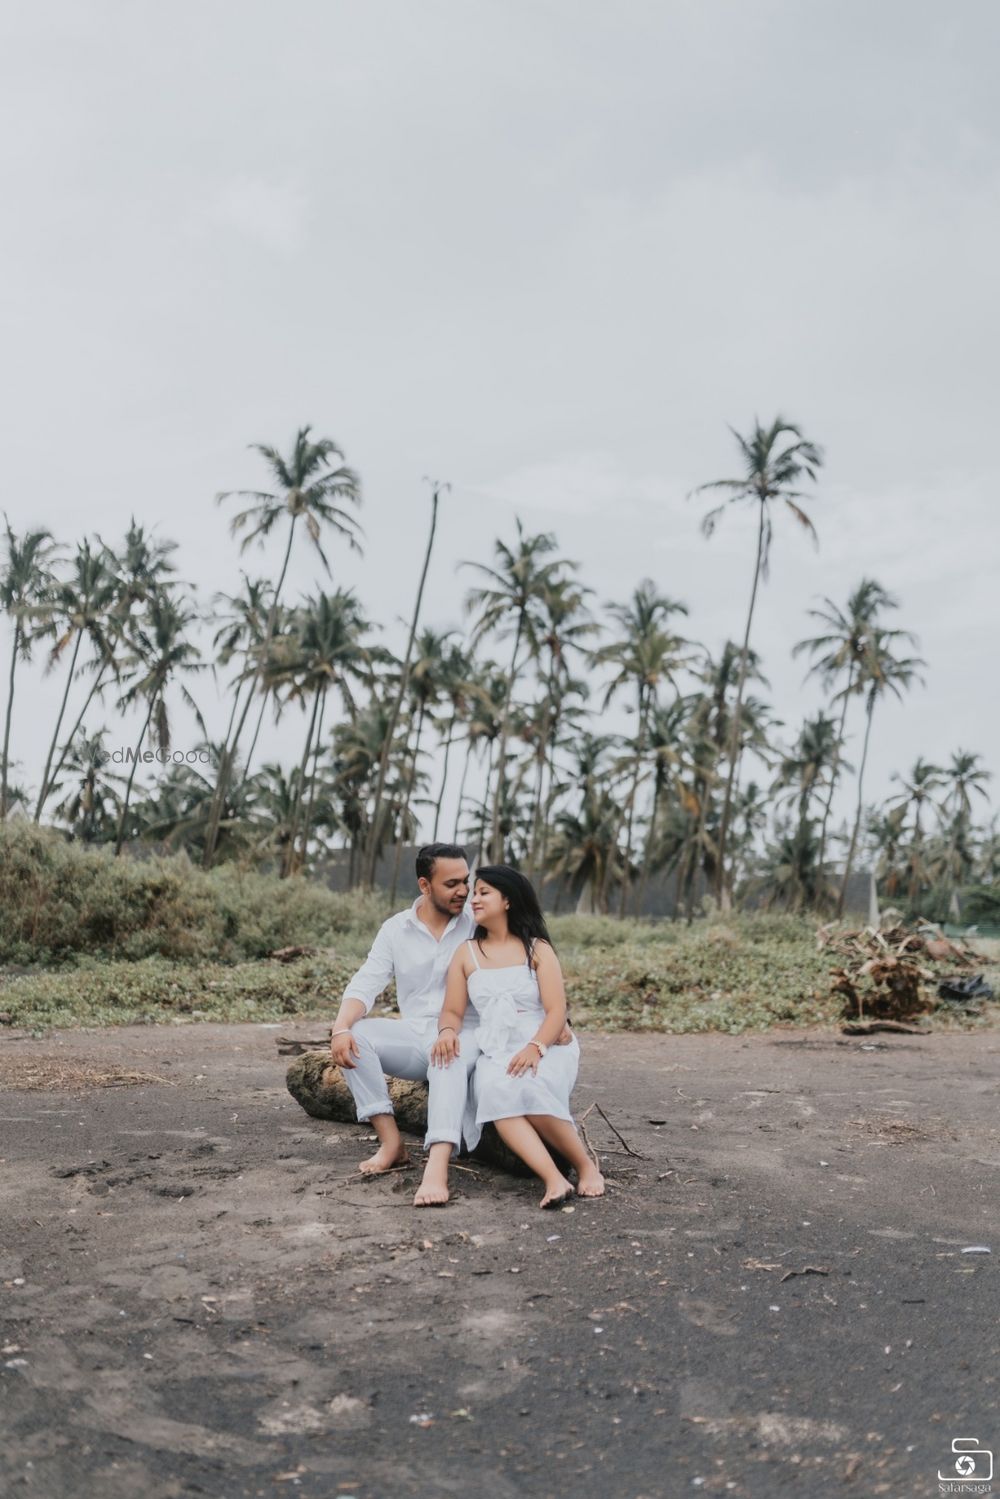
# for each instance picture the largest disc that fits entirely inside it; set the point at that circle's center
(640, 747)
(407, 798)
(461, 787)
(723, 893)
(404, 682)
(43, 792)
(834, 771)
(496, 842)
(444, 775)
(647, 856)
(550, 793)
(288, 864)
(849, 864)
(120, 836)
(7, 718)
(313, 779)
(71, 736)
(228, 757)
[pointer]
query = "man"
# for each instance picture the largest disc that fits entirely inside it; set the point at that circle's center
(416, 948)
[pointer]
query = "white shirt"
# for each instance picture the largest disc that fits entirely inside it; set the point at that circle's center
(408, 950)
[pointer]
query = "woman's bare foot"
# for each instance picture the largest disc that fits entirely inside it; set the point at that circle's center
(385, 1158)
(433, 1189)
(432, 1192)
(589, 1182)
(558, 1192)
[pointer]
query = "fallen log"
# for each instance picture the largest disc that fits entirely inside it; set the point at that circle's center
(869, 1028)
(317, 1085)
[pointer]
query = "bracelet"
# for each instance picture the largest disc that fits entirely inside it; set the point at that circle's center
(536, 1046)
(447, 1028)
(345, 1032)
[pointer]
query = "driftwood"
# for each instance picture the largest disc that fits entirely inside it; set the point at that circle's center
(884, 973)
(869, 1027)
(316, 1084)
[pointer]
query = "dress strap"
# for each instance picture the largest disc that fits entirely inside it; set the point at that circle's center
(472, 951)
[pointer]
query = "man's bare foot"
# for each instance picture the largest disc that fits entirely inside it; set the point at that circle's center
(589, 1182)
(433, 1189)
(559, 1192)
(384, 1159)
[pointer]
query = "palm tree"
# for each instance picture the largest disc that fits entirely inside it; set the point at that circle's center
(805, 769)
(314, 486)
(482, 726)
(428, 671)
(91, 808)
(791, 875)
(323, 649)
(646, 655)
(139, 570)
(584, 849)
(25, 580)
(838, 653)
(964, 778)
(566, 625)
(918, 791)
(376, 832)
(510, 603)
(243, 632)
(880, 672)
(457, 689)
(775, 459)
(157, 652)
(356, 753)
(665, 735)
(77, 608)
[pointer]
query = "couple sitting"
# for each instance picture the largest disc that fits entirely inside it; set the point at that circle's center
(483, 1020)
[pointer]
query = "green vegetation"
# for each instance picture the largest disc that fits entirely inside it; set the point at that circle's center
(87, 939)
(705, 789)
(60, 901)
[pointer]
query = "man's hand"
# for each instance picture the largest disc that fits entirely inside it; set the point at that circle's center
(342, 1048)
(565, 1036)
(445, 1049)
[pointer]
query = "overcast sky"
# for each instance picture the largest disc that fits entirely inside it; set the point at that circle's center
(544, 249)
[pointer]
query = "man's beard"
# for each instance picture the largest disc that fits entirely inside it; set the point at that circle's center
(445, 910)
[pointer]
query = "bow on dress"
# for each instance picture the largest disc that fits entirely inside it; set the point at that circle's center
(498, 1023)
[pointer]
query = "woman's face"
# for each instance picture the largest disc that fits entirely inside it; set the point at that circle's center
(488, 905)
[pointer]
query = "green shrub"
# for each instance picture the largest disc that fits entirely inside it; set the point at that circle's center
(59, 900)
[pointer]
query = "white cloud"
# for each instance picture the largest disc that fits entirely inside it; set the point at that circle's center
(270, 212)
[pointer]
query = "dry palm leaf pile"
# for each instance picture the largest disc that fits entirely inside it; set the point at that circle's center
(889, 975)
(29, 1074)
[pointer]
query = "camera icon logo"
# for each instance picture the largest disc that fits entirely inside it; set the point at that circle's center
(971, 1463)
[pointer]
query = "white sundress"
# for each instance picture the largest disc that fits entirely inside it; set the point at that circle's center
(510, 1012)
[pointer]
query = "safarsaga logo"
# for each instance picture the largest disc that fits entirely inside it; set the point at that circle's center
(970, 1469)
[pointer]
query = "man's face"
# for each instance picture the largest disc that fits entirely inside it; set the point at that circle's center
(447, 889)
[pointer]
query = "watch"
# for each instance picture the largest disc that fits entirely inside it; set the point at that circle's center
(541, 1049)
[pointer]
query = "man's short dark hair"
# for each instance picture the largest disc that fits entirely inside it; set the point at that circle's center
(432, 851)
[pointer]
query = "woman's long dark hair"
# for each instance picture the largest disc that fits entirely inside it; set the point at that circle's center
(524, 915)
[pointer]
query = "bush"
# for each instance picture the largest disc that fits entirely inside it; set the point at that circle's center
(59, 900)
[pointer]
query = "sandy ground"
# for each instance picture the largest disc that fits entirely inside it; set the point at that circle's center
(199, 1296)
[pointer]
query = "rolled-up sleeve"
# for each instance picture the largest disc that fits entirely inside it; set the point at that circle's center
(374, 973)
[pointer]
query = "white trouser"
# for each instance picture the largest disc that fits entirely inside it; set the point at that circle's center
(401, 1048)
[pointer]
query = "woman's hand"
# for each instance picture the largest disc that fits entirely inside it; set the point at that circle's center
(445, 1049)
(526, 1060)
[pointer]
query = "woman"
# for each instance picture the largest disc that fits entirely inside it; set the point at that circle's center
(512, 976)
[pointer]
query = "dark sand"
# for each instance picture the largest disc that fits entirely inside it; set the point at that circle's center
(200, 1297)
